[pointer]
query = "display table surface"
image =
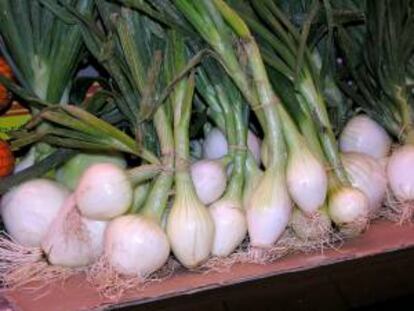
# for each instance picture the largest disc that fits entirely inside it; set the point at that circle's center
(382, 237)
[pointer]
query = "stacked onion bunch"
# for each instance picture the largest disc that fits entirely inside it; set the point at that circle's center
(111, 207)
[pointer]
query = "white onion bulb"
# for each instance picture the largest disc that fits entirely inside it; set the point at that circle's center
(368, 175)
(29, 209)
(268, 210)
(307, 180)
(190, 229)
(70, 173)
(104, 192)
(73, 240)
(230, 226)
(400, 173)
(349, 209)
(364, 135)
(136, 245)
(215, 145)
(209, 179)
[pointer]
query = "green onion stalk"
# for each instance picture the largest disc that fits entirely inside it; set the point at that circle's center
(269, 207)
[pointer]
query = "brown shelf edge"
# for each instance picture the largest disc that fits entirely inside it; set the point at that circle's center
(382, 237)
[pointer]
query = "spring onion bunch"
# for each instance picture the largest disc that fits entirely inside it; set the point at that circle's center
(285, 50)
(149, 183)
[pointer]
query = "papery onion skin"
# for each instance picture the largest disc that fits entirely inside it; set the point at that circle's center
(136, 245)
(269, 210)
(209, 179)
(307, 180)
(364, 135)
(230, 226)
(29, 209)
(368, 175)
(73, 240)
(348, 209)
(400, 173)
(311, 228)
(104, 192)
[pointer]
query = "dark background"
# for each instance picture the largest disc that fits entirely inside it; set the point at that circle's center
(383, 282)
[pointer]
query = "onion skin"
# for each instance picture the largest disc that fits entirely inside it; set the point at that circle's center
(209, 179)
(190, 230)
(364, 135)
(73, 240)
(104, 192)
(136, 245)
(230, 226)
(368, 175)
(311, 228)
(29, 209)
(307, 180)
(348, 209)
(215, 145)
(70, 173)
(269, 210)
(400, 173)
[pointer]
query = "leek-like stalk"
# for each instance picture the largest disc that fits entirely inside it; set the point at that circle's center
(156, 201)
(189, 226)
